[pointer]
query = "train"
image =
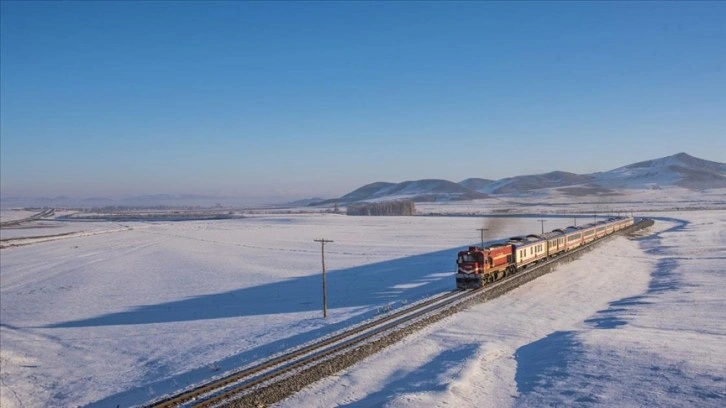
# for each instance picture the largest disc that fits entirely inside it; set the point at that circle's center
(477, 267)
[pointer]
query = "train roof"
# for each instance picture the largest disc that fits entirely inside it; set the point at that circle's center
(553, 234)
(531, 238)
(486, 248)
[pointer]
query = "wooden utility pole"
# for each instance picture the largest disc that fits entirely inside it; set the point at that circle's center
(482, 235)
(542, 222)
(325, 286)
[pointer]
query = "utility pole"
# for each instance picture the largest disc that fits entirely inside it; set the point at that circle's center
(542, 222)
(482, 235)
(575, 221)
(325, 288)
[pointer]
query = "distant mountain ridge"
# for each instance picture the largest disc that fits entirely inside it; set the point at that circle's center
(680, 170)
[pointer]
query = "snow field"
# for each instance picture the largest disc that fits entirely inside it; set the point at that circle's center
(125, 317)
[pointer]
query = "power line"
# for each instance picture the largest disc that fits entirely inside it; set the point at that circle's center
(542, 222)
(325, 289)
(482, 235)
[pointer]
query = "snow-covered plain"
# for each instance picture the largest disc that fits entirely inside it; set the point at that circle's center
(122, 318)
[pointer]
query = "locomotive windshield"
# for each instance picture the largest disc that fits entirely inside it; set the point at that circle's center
(467, 258)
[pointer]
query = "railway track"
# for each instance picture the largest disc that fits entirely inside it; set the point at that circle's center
(246, 382)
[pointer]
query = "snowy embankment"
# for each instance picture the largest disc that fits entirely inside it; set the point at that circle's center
(634, 323)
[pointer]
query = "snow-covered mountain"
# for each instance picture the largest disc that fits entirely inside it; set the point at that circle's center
(477, 184)
(679, 170)
(520, 184)
(419, 190)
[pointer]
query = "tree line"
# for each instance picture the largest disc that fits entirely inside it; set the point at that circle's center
(398, 207)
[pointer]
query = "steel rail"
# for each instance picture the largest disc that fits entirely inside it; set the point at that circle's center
(238, 376)
(339, 348)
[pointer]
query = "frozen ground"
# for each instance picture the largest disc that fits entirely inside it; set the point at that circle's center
(124, 317)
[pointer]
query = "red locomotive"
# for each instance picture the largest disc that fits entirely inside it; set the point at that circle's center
(477, 266)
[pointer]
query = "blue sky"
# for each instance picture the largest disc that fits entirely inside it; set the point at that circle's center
(316, 99)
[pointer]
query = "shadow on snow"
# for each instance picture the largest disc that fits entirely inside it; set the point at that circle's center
(544, 362)
(430, 377)
(373, 285)
(663, 278)
(543, 365)
(388, 283)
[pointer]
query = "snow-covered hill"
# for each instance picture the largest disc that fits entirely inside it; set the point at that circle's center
(680, 171)
(420, 190)
(521, 184)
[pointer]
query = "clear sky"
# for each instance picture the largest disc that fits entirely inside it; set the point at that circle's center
(316, 99)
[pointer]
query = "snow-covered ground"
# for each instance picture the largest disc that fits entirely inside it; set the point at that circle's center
(14, 214)
(124, 317)
(634, 323)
